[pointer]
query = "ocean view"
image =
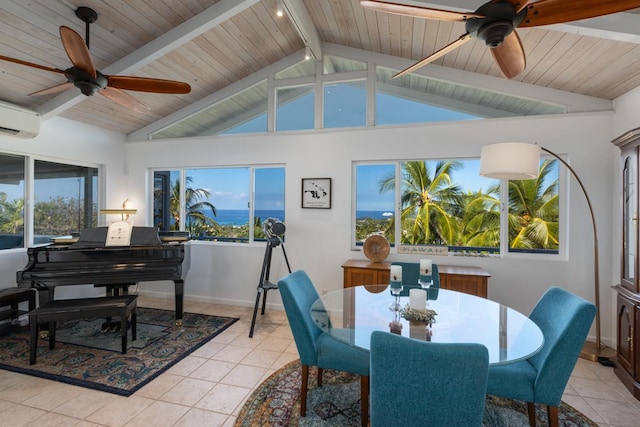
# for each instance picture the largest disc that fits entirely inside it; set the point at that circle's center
(239, 216)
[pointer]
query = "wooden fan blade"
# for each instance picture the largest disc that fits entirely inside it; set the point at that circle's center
(547, 12)
(418, 11)
(518, 5)
(144, 84)
(53, 89)
(77, 51)
(123, 98)
(31, 64)
(509, 56)
(437, 54)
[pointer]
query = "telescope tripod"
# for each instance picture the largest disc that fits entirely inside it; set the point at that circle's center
(264, 285)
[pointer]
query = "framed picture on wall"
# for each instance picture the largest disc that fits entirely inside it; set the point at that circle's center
(316, 193)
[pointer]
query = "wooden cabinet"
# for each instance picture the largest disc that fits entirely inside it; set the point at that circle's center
(628, 366)
(364, 272)
(471, 280)
(628, 300)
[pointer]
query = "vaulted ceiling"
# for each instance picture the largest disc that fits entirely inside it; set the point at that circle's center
(214, 44)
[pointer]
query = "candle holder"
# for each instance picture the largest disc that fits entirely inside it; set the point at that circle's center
(396, 289)
(395, 326)
(425, 283)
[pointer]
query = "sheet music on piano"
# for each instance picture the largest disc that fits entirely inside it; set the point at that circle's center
(118, 234)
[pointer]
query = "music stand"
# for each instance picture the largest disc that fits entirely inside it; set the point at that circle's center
(274, 230)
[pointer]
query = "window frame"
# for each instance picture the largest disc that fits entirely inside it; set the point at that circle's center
(182, 170)
(29, 191)
(504, 252)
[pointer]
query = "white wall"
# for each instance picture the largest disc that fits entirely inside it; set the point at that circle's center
(318, 241)
(62, 140)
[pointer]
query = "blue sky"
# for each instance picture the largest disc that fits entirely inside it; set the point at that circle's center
(368, 177)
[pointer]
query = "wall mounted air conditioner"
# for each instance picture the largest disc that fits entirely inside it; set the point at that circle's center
(18, 121)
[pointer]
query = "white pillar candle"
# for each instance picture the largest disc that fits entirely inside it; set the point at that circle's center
(425, 267)
(418, 299)
(396, 273)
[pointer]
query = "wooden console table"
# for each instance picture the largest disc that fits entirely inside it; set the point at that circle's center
(471, 280)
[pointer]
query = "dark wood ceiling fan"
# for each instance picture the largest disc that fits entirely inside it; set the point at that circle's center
(83, 74)
(495, 24)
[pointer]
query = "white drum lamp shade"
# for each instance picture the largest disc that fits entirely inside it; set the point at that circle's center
(510, 160)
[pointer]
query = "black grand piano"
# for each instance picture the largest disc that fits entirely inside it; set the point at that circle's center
(89, 261)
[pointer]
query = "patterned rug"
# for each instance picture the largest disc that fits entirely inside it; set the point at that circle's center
(88, 357)
(276, 402)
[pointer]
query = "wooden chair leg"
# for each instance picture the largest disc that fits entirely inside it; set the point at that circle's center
(364, 400)
(531, 409)
(303, 395)
(552, 414)
(319, 377)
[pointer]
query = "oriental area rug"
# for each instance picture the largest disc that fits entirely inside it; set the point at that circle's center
(86, 356)
(276, 402)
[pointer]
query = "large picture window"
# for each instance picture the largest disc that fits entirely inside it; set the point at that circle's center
(218, 204)
(65, 200)
(447, 203)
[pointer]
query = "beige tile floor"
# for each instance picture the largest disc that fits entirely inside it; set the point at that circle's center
(210, 386)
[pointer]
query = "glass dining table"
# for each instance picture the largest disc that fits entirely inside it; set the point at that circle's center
(352, 314)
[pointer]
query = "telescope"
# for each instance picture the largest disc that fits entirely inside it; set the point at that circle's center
(274, 230)
(273, 227)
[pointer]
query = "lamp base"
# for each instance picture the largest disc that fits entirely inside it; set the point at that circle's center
(590, 352)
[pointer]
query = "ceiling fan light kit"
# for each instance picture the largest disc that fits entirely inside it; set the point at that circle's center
(83, 74)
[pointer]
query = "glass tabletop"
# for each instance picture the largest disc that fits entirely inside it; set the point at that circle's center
(351, 314)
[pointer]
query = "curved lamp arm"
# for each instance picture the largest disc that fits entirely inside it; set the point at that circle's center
(519, 160)
(596, 270)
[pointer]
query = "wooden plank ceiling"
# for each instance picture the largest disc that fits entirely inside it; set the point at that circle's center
(251, 38)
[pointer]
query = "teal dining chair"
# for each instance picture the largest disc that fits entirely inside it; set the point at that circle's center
(411, 274)
(565, 320)
(419, 383)
(317, 348)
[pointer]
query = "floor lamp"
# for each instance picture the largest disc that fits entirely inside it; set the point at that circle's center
(518, 160)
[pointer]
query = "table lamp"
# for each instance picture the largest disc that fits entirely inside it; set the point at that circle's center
(519, 160)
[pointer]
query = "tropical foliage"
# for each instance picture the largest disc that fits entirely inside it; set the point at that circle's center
(54, 217)
(198, 221)
(436, 211)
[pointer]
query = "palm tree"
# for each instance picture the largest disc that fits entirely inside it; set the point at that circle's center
(196, 218)
(481, 219)
(429, 202)
(11, 214)
(533, 211)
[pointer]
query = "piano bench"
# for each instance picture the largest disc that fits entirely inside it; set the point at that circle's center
(12, 297)
(83, 308)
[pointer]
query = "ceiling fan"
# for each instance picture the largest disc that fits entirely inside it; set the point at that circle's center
(90, 81)
(495, 23)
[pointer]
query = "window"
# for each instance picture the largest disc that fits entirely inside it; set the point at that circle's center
(244, 112)
(220, 204)
(447, 203)
(351, 95)
(409, 100)
(294, 108)
(374, 205)
(534, 212)
(11, 201)
(65, 200)
(345, 104)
